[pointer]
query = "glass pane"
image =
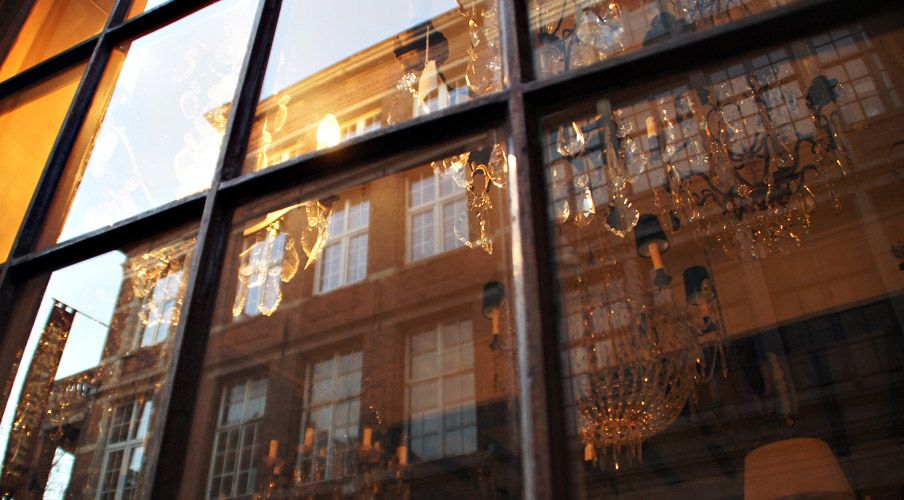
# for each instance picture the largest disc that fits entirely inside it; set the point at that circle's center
(729, 254)
(343, 68)
(29, 123)
(154, 130)
(48, 29)
(405, 372)
(568, 34)
(80, 412)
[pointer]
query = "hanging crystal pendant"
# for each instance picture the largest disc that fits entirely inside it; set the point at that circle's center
(570, 140)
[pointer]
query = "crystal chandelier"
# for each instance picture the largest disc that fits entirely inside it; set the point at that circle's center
(745, 181)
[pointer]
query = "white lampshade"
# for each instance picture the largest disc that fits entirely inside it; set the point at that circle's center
(794, 468)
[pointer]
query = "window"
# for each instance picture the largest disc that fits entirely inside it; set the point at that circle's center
(437, 215)
(330, 420)
(260, 274)
(124, 456)
(361, 125)
(345, 254)
(162, 309)
(440, 400)
(233, 466)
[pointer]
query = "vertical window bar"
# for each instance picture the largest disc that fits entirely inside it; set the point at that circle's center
(183, 374)
(542, 427)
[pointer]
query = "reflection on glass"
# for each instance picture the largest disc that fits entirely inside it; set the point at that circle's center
(154, 130)
(341, 69)
(728, 260)
(82, 406)
(140, 6)
(354, 367)
(568, 34)
(48, 29)
(29, 122)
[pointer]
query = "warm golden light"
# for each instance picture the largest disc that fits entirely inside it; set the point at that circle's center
(328, 132)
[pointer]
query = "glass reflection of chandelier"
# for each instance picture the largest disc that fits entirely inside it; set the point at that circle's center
(637, 356)
(746, 181)
(274, 258)
(642, 368)
(476, 177)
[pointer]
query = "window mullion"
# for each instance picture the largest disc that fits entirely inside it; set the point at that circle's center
(540, 397)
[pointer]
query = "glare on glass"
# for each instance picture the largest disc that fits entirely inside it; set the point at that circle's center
(341, 69)
(155, 127)
(80, 415)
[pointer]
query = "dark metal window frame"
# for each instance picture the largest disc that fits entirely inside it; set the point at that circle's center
(518, 108)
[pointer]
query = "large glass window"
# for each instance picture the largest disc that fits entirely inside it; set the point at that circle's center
(80, 417)
(373, 359)
(726, 270)
(341, 69)
(154, 130)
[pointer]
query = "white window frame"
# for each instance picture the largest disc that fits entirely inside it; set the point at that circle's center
(343, 237)
(444, 406)
(261, 273)
(131, 447)
(306, 456)
(368, 122)
(436, 205)
(156, 306)
(248, 423)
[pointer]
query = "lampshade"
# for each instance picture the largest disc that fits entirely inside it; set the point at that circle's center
(793, 467)
(648, 230)
(694, 278)
(493, 295)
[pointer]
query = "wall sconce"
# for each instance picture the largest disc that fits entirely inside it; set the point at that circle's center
(794, 468)
(700, 292)
(652, 243)
(493, 298)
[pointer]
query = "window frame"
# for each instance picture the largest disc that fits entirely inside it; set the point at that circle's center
(127, 446)
(440, 331)
(436, 206)
(343, 239)
(242, 426)
(517, 107)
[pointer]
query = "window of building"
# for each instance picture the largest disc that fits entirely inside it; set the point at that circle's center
(437, 215)
(237, 443)
(258, 290)
(124, 454)
(330, 421)
(345, 253)
(439, 395)
(361, 125)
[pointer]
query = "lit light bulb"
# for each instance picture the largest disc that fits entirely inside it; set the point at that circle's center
(328, 132)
